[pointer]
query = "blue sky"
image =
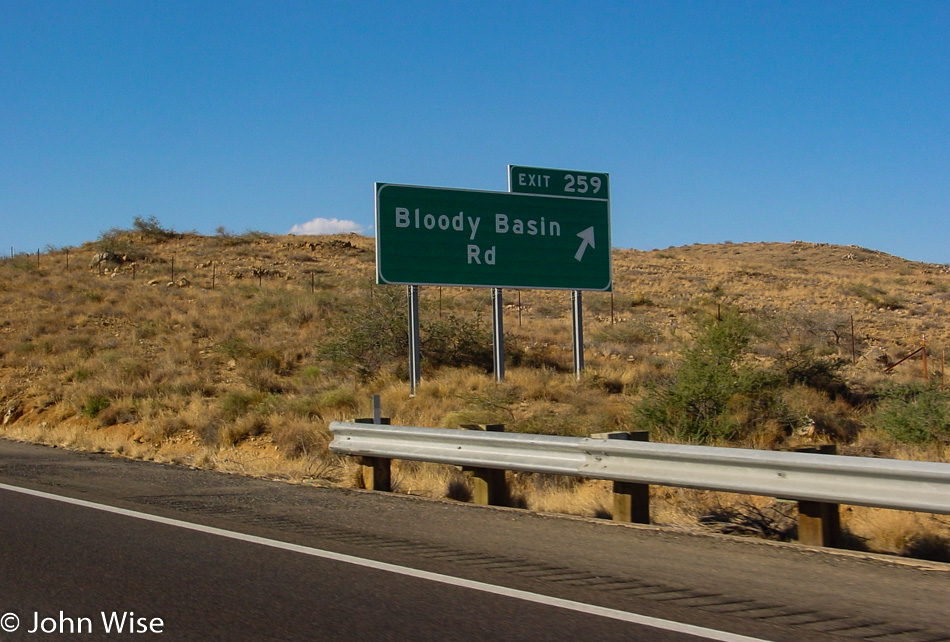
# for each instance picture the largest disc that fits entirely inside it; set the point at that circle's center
(717, 121)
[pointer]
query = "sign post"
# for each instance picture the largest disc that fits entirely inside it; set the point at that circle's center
(415, 369)
(498, 333)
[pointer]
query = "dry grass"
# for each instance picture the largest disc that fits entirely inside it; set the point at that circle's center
(141, 357)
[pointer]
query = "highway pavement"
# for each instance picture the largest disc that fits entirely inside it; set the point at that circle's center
(91, 542)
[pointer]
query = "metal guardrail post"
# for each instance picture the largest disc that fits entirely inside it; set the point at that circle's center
(489, 485)
(631, 501)
(376, 471)
(819, 523)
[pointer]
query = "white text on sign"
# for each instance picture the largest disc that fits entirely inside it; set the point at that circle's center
(533, 180)
(431, 221)
(406, 217)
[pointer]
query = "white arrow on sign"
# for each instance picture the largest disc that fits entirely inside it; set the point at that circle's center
(587, 237)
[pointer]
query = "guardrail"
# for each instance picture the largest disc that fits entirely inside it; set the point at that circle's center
(817, 481)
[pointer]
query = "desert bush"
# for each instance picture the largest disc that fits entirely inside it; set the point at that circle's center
(235, 347)
(266, 361)
(168, 426)
(702, 400)
(551, 422)
(123, 411)
(340, 398)
(914, 413)
(115, 240)
(235, 404)
(804, 366)
(493, 396)
(93, 405)
(626, 332)
(375, 335)
(297, 439)
(249, 425)
(455, 342)
(150, 228)
(372, 334)
(815, 413)
(876, 296)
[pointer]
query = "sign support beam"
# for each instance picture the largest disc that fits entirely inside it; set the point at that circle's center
(498, 333)
(577, 310)
(415, 370)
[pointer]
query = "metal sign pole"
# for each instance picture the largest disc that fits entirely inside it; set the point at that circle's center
(415, 372)
(577, 308)
(498, 334)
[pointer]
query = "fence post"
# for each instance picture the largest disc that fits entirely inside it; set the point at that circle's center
(376, 471)
(489, 485)
(631, 500)
(819, 523)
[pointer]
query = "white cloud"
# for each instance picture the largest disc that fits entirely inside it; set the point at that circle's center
(320, 226)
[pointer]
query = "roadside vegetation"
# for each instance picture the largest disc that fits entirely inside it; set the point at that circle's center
(236, 351)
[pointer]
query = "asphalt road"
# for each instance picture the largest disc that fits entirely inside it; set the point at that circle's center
(418, 569)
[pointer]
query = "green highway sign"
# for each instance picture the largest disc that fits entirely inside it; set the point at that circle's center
(558, 182)
(453, 237)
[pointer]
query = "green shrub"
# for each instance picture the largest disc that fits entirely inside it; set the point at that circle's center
(94, 404)
(913, 413)
(235, 347)
(338, 399)
(876, 296)
(712, 395)
(235, 404)
(307, 407)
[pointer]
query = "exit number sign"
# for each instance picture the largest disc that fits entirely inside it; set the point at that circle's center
(559, 182)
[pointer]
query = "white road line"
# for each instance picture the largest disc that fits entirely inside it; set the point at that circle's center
(527, 596)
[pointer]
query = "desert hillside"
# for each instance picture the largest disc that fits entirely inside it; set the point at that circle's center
(235, 351)
(149, 312)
